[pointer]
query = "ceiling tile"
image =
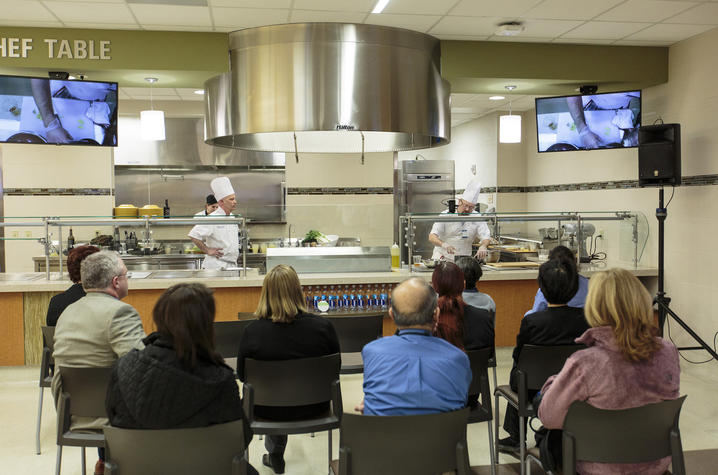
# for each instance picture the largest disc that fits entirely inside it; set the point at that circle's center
(26, 10)
(642, 43)
(238, 18)
(161, 15)
(706, 14)
(108, 13)
(604, 30)
(579, 41)
(411, 22)
(461, 37)
(513, 8)
(301, 16)
(251, 3)
(459, 99)
(570, 9)
(419, 7)
(465, 26)
(177, 28)
(645, 10)
(665, 32)
(519, 39)
(547, 28)
(336, 5)
(101, 26)
(88, 1)
(28, 23)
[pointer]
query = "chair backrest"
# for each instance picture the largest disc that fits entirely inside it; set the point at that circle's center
(216, 449)
(296, 382)
(357, 330)
(227, 336)
(640, 434)
(48, 337)
(539, 362)
(412, 445)
(479, 361)
(87, 388)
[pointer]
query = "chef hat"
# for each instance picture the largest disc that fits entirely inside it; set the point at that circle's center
(471, 193)
(221, 187)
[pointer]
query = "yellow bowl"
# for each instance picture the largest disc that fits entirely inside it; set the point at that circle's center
(150, 210)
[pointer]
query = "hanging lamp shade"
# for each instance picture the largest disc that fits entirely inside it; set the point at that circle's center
(152, 125)
(510, 129)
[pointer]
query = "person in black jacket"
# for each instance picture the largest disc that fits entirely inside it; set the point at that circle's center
(559, 324)
(178, 380)
(61, 301)
(284, 331)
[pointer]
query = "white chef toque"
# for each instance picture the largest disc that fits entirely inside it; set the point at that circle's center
(221, 187)
(471, 193)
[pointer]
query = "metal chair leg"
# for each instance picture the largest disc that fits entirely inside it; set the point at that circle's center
(39, 421)
(84, 462)
(491, 450)
(311, 435)
(329, 462)
(522, 444)
(496, 427)
(58, 460)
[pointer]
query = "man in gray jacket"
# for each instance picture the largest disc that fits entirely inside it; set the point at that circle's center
(97, 329)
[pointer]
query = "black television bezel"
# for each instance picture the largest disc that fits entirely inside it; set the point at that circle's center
(640, 99)
(115, 114)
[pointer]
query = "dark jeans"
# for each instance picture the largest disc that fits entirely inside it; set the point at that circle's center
(511, 419)
(275, 444)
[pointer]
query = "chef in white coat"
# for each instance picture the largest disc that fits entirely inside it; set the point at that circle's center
(220, 242)
(209, 207)
(455, 239)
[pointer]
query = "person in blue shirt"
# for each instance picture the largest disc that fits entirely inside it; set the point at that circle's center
(579, 298)
(414, 372)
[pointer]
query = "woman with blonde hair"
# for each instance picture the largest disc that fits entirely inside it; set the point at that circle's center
(284, 331)
(626, 364)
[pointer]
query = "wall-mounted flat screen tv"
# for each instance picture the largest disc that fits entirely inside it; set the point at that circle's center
(588, 122)
(52, 111)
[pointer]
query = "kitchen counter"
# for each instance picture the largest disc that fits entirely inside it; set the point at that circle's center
(24, 298)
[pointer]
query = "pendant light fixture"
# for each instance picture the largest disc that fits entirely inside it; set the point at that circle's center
(510, 125)
(152, 122)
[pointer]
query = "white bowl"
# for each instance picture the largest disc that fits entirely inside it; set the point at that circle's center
(333, 239)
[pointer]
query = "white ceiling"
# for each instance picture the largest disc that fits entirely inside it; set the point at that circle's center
(611, 22)
(619, 22)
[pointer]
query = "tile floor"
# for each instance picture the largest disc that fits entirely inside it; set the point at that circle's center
(305, 455)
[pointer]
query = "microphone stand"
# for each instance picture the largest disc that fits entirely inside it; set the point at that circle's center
(661, 299)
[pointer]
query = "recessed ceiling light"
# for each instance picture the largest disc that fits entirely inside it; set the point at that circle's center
(509, 28)
(199, 91)
(510, 88)
(380, 5)
(496, 98)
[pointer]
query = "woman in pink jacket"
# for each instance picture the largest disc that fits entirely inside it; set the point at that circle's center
(625, 365)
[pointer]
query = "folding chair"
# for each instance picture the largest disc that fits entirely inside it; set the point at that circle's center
(479, 361)
(354, 332)
(46, 371)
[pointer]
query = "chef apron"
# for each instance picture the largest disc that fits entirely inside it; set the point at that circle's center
(222, 236)
(458, 235)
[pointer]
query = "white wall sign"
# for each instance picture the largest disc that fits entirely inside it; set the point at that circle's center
(56, 48)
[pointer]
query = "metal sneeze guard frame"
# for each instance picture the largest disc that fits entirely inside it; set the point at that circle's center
(146, 222)
(407, 237)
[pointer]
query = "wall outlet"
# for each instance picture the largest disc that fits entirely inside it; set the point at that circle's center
(15, 234)
(473, 169)
(599, 234)
(490, 199)
(28, 234)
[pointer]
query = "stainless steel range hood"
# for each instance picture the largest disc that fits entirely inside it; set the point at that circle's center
(329, 87)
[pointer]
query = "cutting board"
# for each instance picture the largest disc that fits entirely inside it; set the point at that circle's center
(509, 265)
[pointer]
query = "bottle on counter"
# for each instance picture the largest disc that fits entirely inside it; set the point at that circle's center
(395, 257)
(70, 241)
(166, 210)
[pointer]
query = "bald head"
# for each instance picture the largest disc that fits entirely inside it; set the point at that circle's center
(413, 303)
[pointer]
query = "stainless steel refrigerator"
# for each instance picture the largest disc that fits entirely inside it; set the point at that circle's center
(421, 186)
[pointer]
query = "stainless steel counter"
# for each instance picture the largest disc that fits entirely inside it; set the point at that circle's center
(331, 259)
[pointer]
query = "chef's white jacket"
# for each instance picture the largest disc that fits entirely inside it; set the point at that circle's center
(222, 236)
(460, 235)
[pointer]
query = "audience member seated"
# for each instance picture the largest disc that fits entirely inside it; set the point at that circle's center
(178, 380)
(471, 295)
(59, 302)
(579, 298)
(283, 331)
(464, 326)
(414, 372)
(625, 365)
(559, 324)
(98, 328)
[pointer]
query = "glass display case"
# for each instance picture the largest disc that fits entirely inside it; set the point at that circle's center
(620, 236)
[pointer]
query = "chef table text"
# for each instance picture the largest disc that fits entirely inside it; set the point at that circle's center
(56, 48)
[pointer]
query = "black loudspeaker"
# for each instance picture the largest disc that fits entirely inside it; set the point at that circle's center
(659, 155)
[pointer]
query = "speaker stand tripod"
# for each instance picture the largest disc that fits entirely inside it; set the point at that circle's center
(664, 301)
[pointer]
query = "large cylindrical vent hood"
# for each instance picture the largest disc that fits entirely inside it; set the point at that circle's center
(329, 88)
